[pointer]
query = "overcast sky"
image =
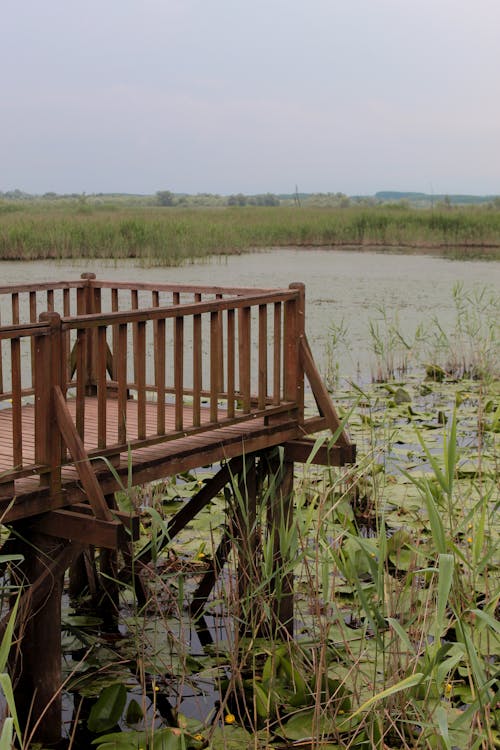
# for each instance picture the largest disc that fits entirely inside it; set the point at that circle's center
(225, 96)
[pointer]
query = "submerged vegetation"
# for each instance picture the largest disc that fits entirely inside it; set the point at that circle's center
(173, 235)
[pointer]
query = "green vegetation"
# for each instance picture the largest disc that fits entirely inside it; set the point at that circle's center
(396, 572)
(89, 228)
(396, 569)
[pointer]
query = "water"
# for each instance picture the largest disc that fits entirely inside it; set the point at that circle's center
(342, 286)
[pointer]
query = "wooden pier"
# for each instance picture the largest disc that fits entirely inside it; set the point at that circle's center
(106, 384)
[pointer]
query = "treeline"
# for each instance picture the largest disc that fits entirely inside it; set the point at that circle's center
(168, 198)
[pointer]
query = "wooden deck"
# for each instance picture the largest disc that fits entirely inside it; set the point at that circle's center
(106, 385)
(155, 379)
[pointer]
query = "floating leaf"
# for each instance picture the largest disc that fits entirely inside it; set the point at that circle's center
(107, 711)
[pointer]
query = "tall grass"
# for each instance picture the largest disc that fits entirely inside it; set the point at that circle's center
(172, 236)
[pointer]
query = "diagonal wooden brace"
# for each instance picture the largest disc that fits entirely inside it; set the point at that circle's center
(79, 455)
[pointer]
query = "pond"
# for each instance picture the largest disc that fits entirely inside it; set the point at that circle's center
(375, 545)
(346, 289)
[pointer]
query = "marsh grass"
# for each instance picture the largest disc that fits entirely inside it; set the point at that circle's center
(469, 348)
(395, 563)
(172, 236)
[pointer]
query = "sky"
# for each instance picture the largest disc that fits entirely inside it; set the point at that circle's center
(227, 96)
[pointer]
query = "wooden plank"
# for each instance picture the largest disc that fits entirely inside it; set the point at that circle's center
(79, 527)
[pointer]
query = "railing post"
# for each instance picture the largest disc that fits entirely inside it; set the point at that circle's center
(294, 327)
(49, 372)
(87, 308)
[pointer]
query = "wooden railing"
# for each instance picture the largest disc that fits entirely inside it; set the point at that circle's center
(210, 355)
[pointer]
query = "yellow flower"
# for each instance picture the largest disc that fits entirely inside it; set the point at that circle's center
(230, 718)
(469, 539)
(198, 737)
(448, 688)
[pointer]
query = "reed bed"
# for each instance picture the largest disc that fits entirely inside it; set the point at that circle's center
(172, 236)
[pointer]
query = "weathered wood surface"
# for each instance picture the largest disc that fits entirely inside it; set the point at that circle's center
(169, 376)
(105, 385)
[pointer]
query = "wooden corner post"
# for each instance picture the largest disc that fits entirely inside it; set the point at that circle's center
(90, 303)
(294, 327)
(49, 373)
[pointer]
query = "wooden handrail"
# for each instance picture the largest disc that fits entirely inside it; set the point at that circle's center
(176, 311)
(214, 362)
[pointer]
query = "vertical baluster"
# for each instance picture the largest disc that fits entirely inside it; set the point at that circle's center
(277, 354)
(50, 300)
(15, 308)
(197, 366)
(230, 362)
(179, 371)
(121, 376)
(134, 303)
(15, 359)
(215, 373)
(244, 345)
(262, 356)
(114, 344)
(299, 324)
(140, 357)
(17, 434)
(101, 386)
(33, 319)
(220, 336)
(81, 380)
(42, 403)
(159, 362)
(66, 342)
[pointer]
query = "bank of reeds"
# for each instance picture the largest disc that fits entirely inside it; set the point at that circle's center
(172, 236)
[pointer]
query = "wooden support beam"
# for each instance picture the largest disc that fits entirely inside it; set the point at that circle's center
(280, 516)
(325, 455)
(37, 674)
(79, 527)
(131, 521)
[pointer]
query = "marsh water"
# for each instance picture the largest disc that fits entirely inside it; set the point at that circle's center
(348, 292)
(345, 289)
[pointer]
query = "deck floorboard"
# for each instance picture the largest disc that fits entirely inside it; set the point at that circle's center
(165, 458)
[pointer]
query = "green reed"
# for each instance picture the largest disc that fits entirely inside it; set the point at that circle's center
(175, 235)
